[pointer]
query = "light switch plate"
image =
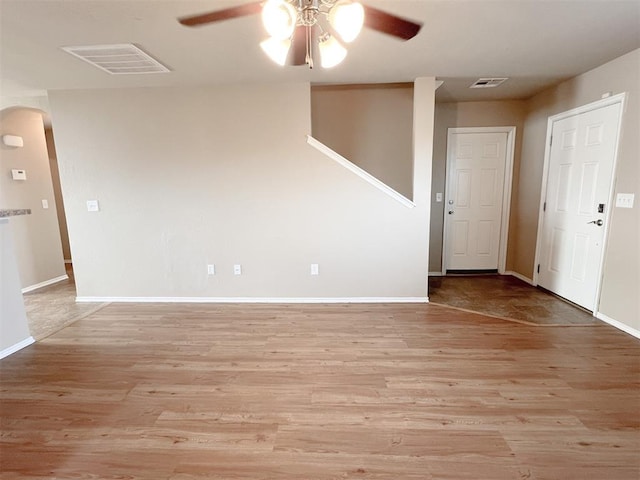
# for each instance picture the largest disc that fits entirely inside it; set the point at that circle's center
(625, 200)
(93, 206)
(237, 269)
(438, 197)
(314, 269)
(45, 203)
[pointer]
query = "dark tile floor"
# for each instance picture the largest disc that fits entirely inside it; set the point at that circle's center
(54, 307)
(508, 297)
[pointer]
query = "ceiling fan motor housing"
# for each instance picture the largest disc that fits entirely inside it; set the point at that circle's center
(308, 12)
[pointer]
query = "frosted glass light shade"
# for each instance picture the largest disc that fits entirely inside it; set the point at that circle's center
(331, 52)
(276, 49)
(346, 18)
(279, 18)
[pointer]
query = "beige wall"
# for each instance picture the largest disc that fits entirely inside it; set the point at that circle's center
(468, 114)
(224, 175)
(57, 192)
(369, 125)
(37, 236)
(13, 319)
(620, 299)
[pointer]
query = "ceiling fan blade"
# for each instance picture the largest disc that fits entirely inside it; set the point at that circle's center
(298, 52)
(219, 15)
(390, 24)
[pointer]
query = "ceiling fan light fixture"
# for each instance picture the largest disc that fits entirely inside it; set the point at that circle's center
(331, 52)
(347, 18)
(279, 18)
(276, 49)
(299, 23)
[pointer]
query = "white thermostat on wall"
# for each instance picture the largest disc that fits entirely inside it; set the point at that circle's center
(19, 174)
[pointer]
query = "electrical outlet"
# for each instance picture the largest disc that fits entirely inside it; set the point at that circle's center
(211, 269)
(237, 269)
(93, 206)
(314, 269)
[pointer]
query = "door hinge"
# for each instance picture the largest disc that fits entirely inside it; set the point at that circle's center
(538, 268)
(551, 140)
(544, 207)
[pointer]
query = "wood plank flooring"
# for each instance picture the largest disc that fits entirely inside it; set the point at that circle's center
(193, 392)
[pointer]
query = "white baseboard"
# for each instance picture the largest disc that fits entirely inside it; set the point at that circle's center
(435, 274)
(520, 277)
(46, 283)
(252, 300)
(619, 325)
(18, 346)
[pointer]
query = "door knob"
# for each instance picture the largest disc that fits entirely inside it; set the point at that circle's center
(597, 222)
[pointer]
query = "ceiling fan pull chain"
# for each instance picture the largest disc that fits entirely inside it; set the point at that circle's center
(309, 53)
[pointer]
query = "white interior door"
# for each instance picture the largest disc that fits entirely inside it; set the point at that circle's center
(578, 191)
(475, 193)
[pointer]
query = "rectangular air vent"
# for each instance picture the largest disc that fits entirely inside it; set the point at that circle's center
(120, 59)
(487, 82)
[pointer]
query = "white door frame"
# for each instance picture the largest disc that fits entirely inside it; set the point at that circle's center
(621, 99)
(506, 190)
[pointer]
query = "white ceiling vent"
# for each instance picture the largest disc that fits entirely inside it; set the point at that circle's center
(487, 82)
(117, 59)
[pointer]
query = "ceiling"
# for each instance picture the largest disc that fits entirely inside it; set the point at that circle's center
(535, 43)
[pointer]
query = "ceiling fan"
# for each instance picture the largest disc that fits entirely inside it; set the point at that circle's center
(300, 28)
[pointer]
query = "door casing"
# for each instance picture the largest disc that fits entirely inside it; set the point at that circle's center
(506, 193)
(620, 98)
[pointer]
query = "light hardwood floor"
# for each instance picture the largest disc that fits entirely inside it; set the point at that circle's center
(185, 392)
